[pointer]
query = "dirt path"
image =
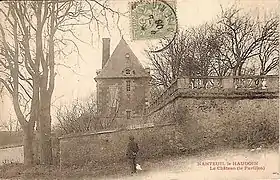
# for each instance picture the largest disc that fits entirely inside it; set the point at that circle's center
(263, 165)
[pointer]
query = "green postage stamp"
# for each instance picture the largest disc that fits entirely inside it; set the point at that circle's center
(154, 19)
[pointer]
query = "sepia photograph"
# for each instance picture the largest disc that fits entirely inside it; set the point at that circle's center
(139, 89)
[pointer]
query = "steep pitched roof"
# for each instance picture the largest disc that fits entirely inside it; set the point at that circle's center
(118, 62)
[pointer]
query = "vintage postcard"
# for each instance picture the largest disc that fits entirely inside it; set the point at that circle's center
(139, 89)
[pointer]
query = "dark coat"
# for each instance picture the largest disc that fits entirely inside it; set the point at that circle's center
(132, 149)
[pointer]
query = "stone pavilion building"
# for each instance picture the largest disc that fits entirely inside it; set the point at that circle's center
(123, 90)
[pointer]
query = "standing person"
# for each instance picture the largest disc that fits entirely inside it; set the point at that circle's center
(132, 150)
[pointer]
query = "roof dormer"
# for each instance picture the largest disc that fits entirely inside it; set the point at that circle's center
(122, 63)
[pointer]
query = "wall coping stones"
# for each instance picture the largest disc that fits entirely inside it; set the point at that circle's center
(230, 85)
(230, 93)
(139, 127)
(11, 146)
(217, 94)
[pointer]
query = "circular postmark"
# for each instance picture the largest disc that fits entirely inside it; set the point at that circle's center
(155, 22)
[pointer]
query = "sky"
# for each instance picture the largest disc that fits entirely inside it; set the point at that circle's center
(78, 81)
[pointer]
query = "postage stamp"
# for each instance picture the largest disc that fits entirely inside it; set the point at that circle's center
(153, 19)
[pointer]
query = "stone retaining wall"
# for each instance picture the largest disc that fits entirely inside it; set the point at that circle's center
(197, 120)
(93, 149)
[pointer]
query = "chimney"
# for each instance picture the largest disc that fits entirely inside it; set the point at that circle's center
(105, 51)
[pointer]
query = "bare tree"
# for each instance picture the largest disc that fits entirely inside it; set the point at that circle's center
(244, 38)
(269, 47)
(79, 116)
(33, 35)
(169, 64)
(237, 44)
(194, 52)
(204, 52)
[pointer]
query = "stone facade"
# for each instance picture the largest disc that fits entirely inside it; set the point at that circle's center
(195, 124)
(122, 87)
(237, 122)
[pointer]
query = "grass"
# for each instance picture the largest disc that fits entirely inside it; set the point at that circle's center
(18, 170)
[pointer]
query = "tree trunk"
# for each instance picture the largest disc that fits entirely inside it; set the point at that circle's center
(240, 70)
(28, 148)
(45, 132)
